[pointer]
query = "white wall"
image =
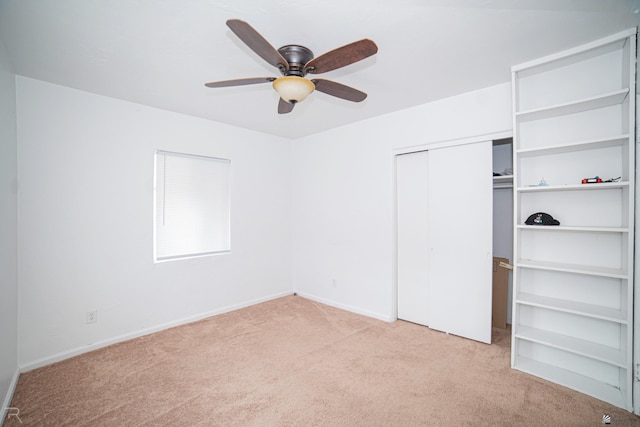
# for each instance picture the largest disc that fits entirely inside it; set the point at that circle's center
(343, 195)
(8, 232)
(86, 184)
(85, 166)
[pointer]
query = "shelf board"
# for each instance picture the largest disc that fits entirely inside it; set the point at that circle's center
(595, 102)
(587, 270)
(597, 389)
(574, 55)
(590, 229)
(573, 345)
(573, 307)
(575, 187)
(591, 144)
(502, 179)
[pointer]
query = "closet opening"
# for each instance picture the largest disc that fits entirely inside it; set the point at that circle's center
(502, 232)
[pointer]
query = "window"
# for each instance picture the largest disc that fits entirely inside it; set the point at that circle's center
(191, 206)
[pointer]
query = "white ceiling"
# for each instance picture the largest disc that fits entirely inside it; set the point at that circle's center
(161, 52)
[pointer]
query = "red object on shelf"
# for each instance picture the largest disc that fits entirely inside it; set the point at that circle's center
(595, 180)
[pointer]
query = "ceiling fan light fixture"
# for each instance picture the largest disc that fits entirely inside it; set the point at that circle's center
(293, 89)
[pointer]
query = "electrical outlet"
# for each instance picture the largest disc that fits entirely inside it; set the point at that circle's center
(92, 316)
(334, 283)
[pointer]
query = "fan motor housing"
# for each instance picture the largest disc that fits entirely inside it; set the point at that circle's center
(297, 56)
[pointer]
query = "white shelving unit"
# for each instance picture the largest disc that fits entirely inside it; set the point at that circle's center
(574, 118)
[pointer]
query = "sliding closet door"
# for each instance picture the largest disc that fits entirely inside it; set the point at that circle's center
(412, 201)
(460, 240)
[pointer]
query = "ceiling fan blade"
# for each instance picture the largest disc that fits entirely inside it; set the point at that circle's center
(240, 82)
(285, 107)
(339, 90)
(341, 56)
(257, 43)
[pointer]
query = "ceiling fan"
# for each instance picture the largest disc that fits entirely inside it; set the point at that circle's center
(294, 62)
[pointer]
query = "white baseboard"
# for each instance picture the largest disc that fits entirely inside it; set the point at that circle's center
(6, 403)
(34, 364)
(352, 309)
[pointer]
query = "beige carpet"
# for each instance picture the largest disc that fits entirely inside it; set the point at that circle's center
(294, 362)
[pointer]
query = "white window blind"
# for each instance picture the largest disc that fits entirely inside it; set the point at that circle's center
(191, 205)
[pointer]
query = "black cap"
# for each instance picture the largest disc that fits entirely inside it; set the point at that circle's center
(541, 218)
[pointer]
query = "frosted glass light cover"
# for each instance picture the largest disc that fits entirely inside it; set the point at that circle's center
(293, 88)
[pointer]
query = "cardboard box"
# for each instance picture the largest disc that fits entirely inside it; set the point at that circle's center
(500, 293)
